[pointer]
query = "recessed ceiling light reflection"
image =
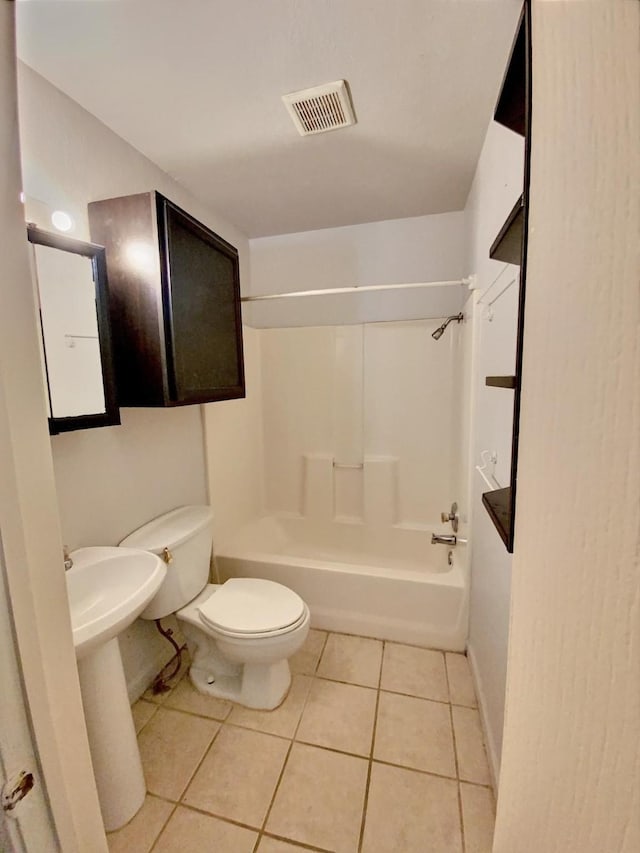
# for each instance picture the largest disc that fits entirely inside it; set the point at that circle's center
(61, 220)
(140, 256)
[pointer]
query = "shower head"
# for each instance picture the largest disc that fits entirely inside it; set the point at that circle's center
(439, 332)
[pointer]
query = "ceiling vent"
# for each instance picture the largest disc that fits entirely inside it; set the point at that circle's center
(326, 107)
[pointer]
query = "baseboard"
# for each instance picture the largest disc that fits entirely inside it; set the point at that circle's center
(492, 751)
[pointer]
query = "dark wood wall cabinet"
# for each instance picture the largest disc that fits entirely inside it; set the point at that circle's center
(175, 303)
(513, 110)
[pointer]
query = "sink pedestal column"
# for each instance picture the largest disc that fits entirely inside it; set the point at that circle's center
(112, 737)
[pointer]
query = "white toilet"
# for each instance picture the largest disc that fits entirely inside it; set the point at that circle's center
(240, 634)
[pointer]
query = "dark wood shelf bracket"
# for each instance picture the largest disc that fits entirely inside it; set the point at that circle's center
(507, 246)
(500, 381)
(499, 506)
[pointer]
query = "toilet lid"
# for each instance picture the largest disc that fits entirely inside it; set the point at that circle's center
(252, 606)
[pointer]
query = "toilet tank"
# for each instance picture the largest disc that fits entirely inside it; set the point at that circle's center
(183, 538)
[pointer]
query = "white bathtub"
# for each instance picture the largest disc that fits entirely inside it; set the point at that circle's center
(389, 583)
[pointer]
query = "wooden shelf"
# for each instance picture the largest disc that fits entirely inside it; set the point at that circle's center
(500, 507)
(513, 111)
(510, 110)
(507, 246)
(500, 381)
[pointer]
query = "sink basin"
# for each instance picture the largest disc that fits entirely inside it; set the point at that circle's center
(107, 589)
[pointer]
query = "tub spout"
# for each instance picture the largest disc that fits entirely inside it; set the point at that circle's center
(437, 539)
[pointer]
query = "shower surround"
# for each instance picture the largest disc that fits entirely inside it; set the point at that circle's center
(361, 437)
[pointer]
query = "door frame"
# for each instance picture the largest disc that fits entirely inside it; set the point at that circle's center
(29, 519)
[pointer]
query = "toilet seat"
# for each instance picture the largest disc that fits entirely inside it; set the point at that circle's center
(251, 608)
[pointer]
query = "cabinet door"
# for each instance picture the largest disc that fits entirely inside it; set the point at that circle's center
(202, 310)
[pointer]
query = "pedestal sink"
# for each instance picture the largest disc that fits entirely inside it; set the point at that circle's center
(107, 589)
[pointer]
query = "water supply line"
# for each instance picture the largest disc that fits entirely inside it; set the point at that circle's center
(161, 681)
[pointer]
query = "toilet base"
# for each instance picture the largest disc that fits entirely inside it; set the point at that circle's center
(253, 672)
(258, 686)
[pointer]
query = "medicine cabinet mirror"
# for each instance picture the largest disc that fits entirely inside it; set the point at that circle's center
(71, 280)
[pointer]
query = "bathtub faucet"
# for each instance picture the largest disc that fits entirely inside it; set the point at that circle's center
(438, 539)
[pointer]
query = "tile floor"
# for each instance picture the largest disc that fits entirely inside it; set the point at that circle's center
(377, 748)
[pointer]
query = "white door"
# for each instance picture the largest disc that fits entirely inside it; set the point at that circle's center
(25, 825)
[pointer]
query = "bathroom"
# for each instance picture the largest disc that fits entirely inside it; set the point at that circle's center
(357, 431)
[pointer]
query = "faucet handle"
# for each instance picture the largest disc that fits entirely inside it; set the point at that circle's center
(68, 562)
(451, 516)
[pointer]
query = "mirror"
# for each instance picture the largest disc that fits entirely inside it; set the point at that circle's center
(71, 279)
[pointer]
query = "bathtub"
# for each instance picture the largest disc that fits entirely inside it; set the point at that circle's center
(389, 582)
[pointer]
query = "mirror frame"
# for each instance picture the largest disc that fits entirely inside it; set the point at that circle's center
(96, 254)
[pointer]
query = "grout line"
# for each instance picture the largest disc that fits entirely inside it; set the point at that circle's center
(164, 825)
(322, 651)
(395, 642)
(284, 764)
(198, 810)
(257, 731)
(363, 756)
(146, 722)
(199, 764)
(341, 681)
(455, 757)
(299, 844)
(217, 816)
(375, 687)
(365, 802)
(194, 714)
(417, 770)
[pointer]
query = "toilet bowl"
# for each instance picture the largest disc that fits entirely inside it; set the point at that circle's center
(240, 634)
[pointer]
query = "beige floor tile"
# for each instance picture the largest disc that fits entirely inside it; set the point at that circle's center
(320, 799)
(192, 832)
(140, 833)
(306, 660)
(171, 746)
(339, 716)
(478, 818)
(409, 812)
(414, 733)
(274, 845)
(239, 775)
(283, 720)
(142, 712)
(353, 659)
(460, 681)
(418, 672)
(185, 697)
(472, 758)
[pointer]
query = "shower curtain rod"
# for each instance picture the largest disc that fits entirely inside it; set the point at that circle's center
(355, 289)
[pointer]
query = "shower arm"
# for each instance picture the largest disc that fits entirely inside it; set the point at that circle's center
(441, 329)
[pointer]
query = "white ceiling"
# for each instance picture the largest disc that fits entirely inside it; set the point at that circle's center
(196, 84)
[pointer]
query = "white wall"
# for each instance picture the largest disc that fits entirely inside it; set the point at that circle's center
(416, 249)
(421, 249)
(111, 480)
(497, 185)
(233, 441)
(570, 780)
